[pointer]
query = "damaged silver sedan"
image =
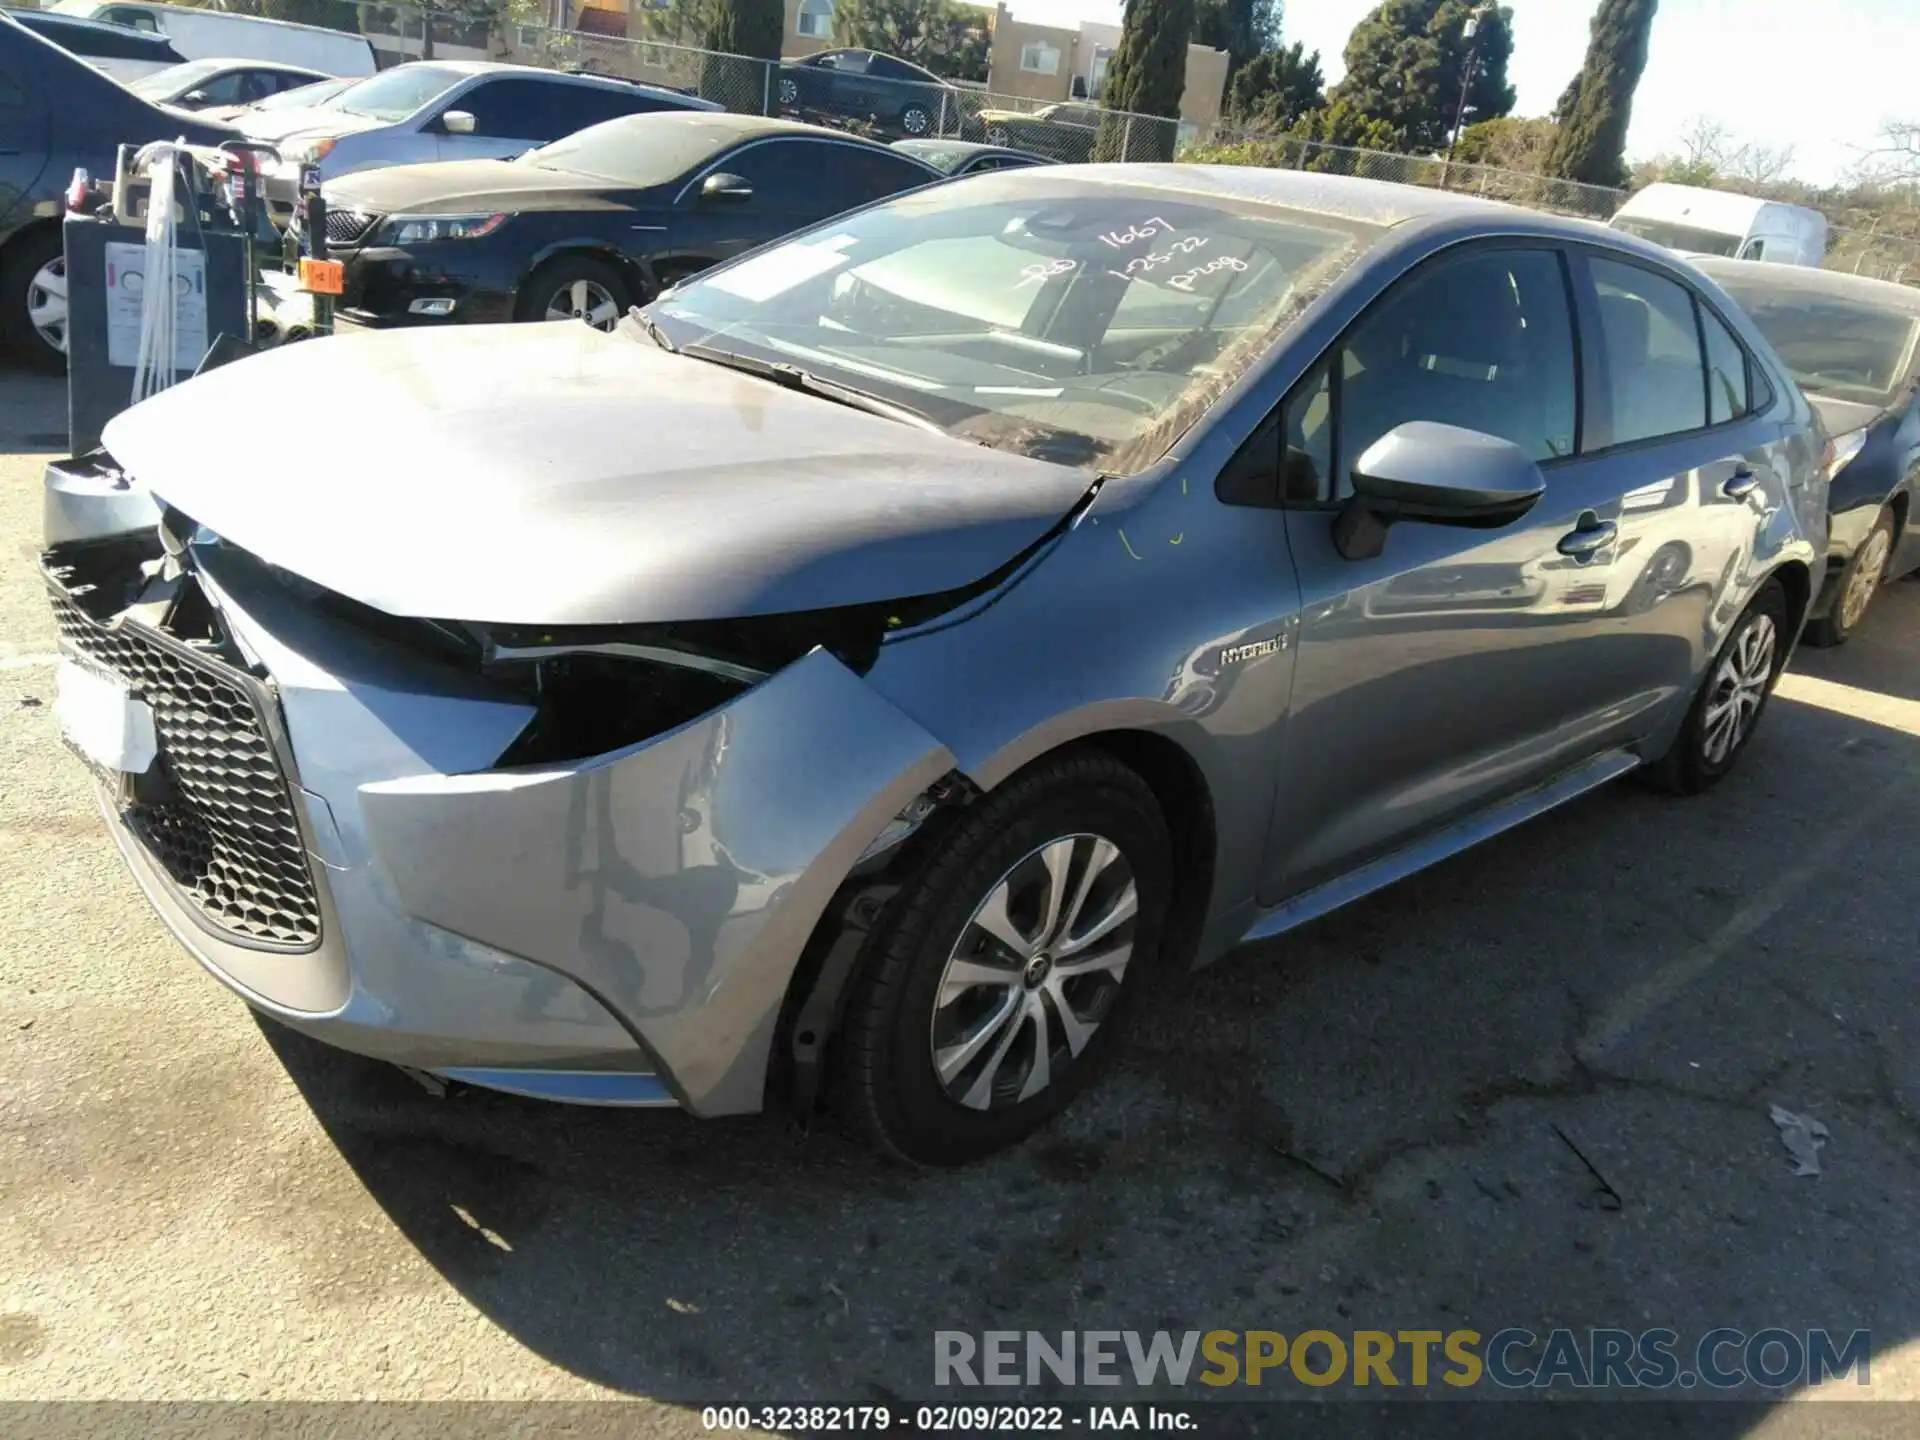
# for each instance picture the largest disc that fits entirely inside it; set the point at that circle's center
(882, 665)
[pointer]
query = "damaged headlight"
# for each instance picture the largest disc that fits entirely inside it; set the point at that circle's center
(423, 229)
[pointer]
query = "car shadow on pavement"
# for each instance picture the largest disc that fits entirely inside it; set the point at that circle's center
(1529, 1088)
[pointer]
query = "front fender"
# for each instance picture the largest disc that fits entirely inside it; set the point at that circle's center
(678, 880)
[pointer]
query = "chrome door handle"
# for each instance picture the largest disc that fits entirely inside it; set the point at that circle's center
(1743, 484)
(1588, 540)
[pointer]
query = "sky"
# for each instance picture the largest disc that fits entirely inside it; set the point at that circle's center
(1819, 75)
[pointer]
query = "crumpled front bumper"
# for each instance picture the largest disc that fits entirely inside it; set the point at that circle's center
(618, 930)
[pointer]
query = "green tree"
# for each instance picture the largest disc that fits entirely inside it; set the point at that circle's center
(1508, 143)
(1242, 28)
(1147, 77)
(1277, 87)
(1597, 107)
(949, 39)
(749, 28)
(1408, 63)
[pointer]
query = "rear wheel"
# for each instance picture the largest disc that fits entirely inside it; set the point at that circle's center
(576, 287)
(33, 300)
(1728, 708)
(1001, 987)
(916, 120)
(1859, 582)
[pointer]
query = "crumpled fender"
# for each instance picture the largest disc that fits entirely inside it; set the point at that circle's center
(677, 880)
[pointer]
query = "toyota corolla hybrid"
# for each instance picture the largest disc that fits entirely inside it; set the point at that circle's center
(879, 666)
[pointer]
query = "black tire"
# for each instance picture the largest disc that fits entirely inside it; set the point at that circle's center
(886, 1081)
(1836, 627)
(539, 290)
(23, 262)
(1691, 766)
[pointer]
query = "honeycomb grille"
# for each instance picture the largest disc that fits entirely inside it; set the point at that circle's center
(346, 226)
(220, 822)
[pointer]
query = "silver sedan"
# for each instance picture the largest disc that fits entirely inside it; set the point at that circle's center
(872, 672)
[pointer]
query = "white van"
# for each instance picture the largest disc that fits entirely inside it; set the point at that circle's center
(216, 35)
(1696, 221)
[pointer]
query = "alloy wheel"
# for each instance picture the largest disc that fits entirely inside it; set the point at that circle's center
(789, 92)
(584, 300)
(1739, 689)
(915, 121)
(1868, 571)
(1035, 972)
(47, 303)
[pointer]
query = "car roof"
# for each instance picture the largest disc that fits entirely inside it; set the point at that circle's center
(725, 123)
(55, 20)
(241, 62)
(1837, 283)
(1342, 197)
(565, 77)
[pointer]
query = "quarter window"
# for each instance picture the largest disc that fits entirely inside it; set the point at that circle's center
(1727, 397)
(1654, 360)
(1484, 342)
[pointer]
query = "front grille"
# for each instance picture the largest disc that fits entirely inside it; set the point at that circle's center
(346, 226)
(219, 819)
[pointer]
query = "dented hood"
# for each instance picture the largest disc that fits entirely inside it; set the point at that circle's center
(552, 475)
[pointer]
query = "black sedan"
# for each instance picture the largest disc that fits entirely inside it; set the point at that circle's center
(955, 158)
(898, 97)
(595, 223)
(1853, 345)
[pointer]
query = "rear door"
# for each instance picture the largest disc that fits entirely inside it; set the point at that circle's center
(1679, 433)
(1458, 665)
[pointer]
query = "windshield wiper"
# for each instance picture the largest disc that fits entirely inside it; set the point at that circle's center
(654, 332)
(805, 381)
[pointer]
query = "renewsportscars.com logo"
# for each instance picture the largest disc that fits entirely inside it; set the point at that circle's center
(1512, 1359)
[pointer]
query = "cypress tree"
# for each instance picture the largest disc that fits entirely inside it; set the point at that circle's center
(1597, 107)
(752, 28)
(1147, 76)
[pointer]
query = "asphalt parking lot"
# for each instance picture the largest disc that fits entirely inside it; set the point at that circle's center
(1528, 1088)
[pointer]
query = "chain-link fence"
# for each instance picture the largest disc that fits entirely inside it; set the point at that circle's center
(882, 99)
(1287, 152)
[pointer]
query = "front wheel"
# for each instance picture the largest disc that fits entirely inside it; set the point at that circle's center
(576, 287)
(1001, 986)
(1859, 582)
(1728, 707)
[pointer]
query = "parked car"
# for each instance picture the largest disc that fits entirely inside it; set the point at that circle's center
(205, 84)
(964, 157)
(822, 671)
(593, 224)
(443, 110)
(58, 114)
(1064, 132)
(317, 96)
(895, 95)
(1853, 345)
(1698, 221)
(111, 49)
(204, 34)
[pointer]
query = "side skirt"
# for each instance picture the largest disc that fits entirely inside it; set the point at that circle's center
(1441, 845)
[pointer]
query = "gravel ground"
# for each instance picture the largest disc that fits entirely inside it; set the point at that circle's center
(1529, 1088)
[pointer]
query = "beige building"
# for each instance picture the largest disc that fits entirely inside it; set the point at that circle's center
(1046, 62)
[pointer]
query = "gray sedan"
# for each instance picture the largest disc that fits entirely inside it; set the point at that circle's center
(884, 664)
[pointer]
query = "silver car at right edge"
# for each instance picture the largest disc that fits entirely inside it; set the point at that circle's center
(883, 664)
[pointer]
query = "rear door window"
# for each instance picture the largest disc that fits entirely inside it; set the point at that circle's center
(1727, 392)
(1656, 371)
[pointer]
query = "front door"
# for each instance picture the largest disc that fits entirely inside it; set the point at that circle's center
(1458, 664)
